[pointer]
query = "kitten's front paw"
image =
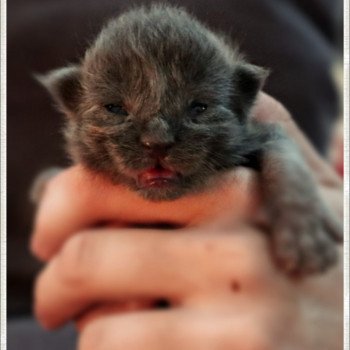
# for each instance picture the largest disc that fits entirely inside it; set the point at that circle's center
(304, 243)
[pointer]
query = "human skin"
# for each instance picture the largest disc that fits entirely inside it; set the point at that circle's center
(216, 271)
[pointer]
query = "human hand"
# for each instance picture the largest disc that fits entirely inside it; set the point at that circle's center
(224, 291)
(211, 297)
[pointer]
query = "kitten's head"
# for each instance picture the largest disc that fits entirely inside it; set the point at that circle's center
(158, 103)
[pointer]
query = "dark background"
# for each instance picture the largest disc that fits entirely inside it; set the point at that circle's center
(297, 39)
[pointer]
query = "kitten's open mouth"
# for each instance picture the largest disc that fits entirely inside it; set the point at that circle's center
(157, 177)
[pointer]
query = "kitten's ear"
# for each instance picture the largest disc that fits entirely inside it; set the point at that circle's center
(64, 85)
(247, 82)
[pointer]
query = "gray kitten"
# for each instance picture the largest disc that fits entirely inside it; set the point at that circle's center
(160, 103)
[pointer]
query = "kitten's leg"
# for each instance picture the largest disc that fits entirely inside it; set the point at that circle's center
(304, 229)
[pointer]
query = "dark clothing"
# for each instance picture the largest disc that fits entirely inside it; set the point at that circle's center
(26, 334)
(294, 38)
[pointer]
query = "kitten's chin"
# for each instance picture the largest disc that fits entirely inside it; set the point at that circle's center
(160, 194)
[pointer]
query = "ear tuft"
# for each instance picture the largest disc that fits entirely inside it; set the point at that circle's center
(64, 85)
(248, 80)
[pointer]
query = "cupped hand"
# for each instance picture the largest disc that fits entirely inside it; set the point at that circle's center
(216, 274)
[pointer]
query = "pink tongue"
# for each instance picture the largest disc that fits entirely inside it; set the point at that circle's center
(156, 177)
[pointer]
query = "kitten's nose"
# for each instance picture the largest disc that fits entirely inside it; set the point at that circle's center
(157, 146)
(157, 138)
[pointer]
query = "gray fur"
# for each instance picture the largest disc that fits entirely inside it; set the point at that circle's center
(304, 230)
(155, 61)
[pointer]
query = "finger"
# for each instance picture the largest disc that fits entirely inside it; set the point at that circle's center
(101, 310)
(66, 204)
(76, 199)
(178, 329)
(269, 110)
(105, 266)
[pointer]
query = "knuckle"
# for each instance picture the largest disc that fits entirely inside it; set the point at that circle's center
(247, 261)
(255, 339)
(236, 259)
(74, 261)
(148, 332)
(259, 341)
(119, 333)
(258, 344)
(93, 337)
(221, 250)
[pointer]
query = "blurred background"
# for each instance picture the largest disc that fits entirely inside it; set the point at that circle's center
(299, 40)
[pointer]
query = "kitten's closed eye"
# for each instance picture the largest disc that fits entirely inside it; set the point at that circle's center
(197, 108)
(116, 109)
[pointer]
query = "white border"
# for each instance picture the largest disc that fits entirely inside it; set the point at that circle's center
(3, 265)
(3, 177)
(346, 177)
